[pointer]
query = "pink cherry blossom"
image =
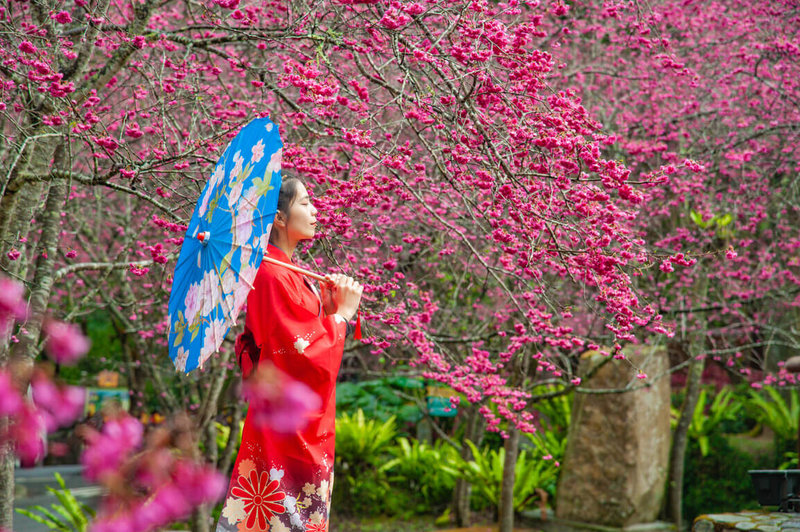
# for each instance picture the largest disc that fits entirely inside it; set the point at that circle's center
(278, 402)
(65, 342)
(12, 303)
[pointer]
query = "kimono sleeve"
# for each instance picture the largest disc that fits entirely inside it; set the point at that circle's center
(281, 309)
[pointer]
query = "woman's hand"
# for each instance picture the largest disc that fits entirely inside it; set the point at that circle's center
(341, 295)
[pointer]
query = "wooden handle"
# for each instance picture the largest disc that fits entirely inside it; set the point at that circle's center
(297, 269)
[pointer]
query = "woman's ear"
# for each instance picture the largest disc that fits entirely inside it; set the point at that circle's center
(280, 219)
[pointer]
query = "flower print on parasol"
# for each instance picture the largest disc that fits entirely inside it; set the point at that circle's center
(224, 244)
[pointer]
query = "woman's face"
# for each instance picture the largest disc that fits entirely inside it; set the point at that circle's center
(302, 216)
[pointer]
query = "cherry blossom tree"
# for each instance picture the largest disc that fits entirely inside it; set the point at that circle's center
(718, 83)
(470, 193)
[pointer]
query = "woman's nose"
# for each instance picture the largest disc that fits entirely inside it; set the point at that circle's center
(313, 210)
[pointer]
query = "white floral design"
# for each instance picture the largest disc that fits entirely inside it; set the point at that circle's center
(234, 510)
(323, 490)
(216, 177)
(244, 257)
(275, 525)
(258, 151)
(242, 291)
(204, 202)
(238, 163)
(181, 358)
(249, 200)
(300, 344)
(229, 281)
(235, 193)
(192, 303)
(243, 225)
(209, 292)
(214, 334)
(291, 504)
(276, 474)
(274, 164)
(309, 489)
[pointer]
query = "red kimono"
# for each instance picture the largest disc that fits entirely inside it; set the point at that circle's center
(282, 482)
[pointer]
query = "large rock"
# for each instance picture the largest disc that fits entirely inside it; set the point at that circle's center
(616, 461)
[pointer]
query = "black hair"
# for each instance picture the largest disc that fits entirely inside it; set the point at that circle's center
(286, 196)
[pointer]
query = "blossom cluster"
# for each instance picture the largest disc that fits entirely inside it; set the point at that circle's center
(50, 405)
(150, 481)
(277, 401)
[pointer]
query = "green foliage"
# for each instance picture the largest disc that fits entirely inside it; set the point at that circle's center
(707, 418)
(72, 514)
(554, 418)
(718, 482)
(105, 351)
(223, 434)
(549, 442)
(361, 441)
(485, 473)
(720, 221)
(554, 413)
(428, 472)
(774, 412)
(361, 483)
(382, 398)
(789, 460)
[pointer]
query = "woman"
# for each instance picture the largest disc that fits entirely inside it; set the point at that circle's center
(282, 481)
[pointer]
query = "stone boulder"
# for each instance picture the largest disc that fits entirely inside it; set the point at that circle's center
(617, 456)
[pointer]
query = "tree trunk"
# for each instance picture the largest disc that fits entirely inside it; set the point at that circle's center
(6, 483)
(518, 375)
(225, 461)
(201, 519)
(463, 489)
(24, 353)
(506, 508)
(680, 440)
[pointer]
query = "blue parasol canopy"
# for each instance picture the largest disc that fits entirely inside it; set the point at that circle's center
(224, 244)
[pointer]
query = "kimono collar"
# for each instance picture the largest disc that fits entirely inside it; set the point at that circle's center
(277, 253)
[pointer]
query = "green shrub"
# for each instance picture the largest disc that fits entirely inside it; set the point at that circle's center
(485, 473)
(362, 486)
(708, 416)
(427, 472)
(718, 482)
(554, 413)
(770, 408)
(70, 515)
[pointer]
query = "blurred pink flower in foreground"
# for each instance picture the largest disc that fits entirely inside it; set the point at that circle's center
(149, 485)
(188, 487)
(107, 450)
(10, 399)
(277, 401)
(59, 405)
(12, 303)
(65, 342)
(26, 431)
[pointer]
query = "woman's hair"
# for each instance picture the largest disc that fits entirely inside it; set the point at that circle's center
(286, 196)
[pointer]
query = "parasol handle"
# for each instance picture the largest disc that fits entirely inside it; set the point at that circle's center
(297, 269)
